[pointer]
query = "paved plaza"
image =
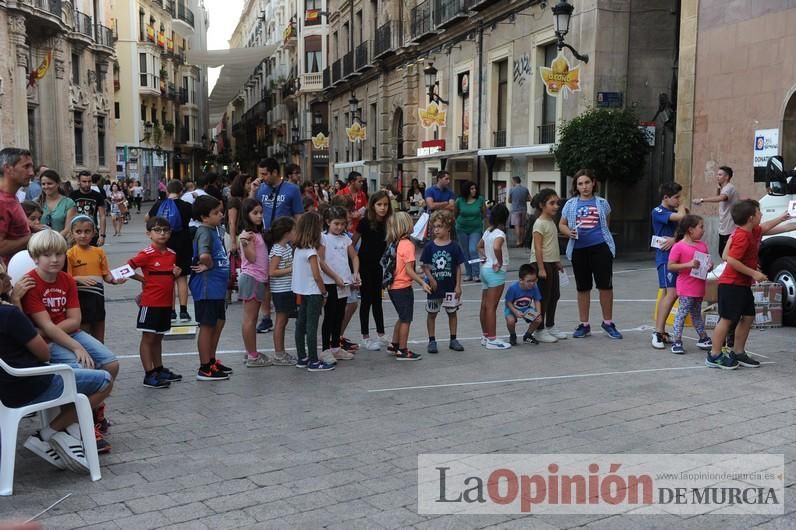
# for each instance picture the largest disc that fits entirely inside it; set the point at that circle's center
(283, 448)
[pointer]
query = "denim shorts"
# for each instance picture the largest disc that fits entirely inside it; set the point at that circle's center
(404, 302)
(101, 355)
(250, 289)
(490, 278)
(88, 382)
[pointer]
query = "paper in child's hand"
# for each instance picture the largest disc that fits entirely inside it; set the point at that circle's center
(120, 273)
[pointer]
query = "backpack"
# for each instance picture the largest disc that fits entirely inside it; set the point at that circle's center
(169, 210)
(388, 263)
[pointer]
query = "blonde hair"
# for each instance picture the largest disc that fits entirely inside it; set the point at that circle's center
(46, 242)
(399, 225)
(308, 231)
(441, 216)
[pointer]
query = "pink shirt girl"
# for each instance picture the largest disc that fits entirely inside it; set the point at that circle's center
(683, 252)
(258, 269)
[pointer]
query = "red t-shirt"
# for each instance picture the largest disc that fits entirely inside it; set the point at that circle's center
(13, 221)
(158, 269)
(360, 201)
(55, 297)
(744, 247)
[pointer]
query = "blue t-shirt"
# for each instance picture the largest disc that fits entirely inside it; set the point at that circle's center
(444, 262)
(523, 299)
(663, 227)
(212, 283)
(439, 195)
(587, 219)
(288, 202)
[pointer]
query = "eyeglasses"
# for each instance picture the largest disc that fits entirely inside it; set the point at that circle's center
(161, 230)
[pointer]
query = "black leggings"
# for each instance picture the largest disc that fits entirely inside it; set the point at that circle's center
(551, 292)
(371, 298)
(333, 313)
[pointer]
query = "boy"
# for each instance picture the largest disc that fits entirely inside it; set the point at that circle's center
(53, 305)
(159, 265)
(736, 301)
(664, 223)
(208, 284)
(523, 302)
(347, 202)
(442, 260)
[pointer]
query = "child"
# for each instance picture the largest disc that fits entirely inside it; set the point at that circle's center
(33, 212)
(54, 307)
(371, 234)
(442, 260)
(664, 224)
(493, 249)
(307, 282)
(347, 202)
(280, 273)
(334, 253)
(208, 284)
(523, 302)
(690, 289)
(253, 278)
(399, 226)
(546, 254)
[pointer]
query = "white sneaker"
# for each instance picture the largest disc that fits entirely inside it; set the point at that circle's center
(560, 335)
(658, 341)
(341, 354)
(373, 345)
(71, 452)
(545, 336)
(384, 341)
(483, 341)
(497, 344)
(43, 449)
(327, 356)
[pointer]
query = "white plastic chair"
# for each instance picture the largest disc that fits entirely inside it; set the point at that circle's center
(9, 421)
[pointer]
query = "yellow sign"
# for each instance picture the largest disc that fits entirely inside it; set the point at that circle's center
(560, 76)
(356, 133)
(432, 115)
(321, 141)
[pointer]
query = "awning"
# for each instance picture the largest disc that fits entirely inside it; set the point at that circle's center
(350, 165)
(435, 156)
(527, 150)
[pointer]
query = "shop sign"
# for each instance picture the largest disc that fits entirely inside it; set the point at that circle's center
(560, 77)
(431, 116)
(429, 147)
(356, 133)
(766, 146)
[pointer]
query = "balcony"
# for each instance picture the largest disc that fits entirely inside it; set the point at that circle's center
(83, 29)
(104, 39)
(171, 91)
(547, 133)
(348, 64)
(314, 81)
(327, 77)
(464, 143)
(421, 21)
(336, 69)
(47, 10)
(183, 22)
(290, 36)
(448, 12)
(182, 96)
(362, 56)
(500, 138)
(168, 5)
(478, 5)
(183, 136)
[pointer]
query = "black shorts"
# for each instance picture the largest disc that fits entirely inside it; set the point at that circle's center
(404, 302)
(154, 319)
(182, 245)
(596, 261)
(209, 312)
(284, 302)
(735, 301)
(92, 307)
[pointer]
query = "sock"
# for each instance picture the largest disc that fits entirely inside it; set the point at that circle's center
(585, 324)
(453, 336)
(47, 433)
(491, 338)
(253, 354)
(205, 367)
(183, 308)
(609, 322)
(432, 338)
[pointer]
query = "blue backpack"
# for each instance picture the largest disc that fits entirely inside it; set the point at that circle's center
(169, 210)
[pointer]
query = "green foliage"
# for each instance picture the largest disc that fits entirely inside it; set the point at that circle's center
(608, 141)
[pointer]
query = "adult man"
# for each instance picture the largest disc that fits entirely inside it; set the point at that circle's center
(92, 203)
(726, 197)
(17, 168)
(190, 197)
(440, 197)
(293, 173)
(354, 188)
(519, 197)
(32, 191)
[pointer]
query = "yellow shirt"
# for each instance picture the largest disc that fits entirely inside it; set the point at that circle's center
(90, 262)
(550, 250)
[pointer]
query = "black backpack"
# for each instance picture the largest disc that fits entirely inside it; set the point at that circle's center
(388, 262)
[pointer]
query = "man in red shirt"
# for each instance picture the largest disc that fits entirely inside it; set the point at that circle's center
(16, 166)
(354, 188)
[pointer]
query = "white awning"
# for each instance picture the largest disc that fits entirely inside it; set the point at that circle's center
(350, 165)
(527, 150)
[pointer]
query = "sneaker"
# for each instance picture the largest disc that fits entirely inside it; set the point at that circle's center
(303, 362)
(260, 361)
(611, 330)
(391, 350)
(103, 446)
(407, 356)
(725, 361)
(223, 369)
(342, 355)
(327, 357)
(265, 325)
(746, 361)
(705, 344)
(282, 359)
(320, 366)
(581, 331)
(383, 341)
(528, 337)
(658, 340)
(154, 380)
(373, 345)
(544, 335)
(432, 347)
(467, 279)
(100, 419)
(497, 344)
(483, 340)
(348, 345)
(455, 345)
(512, 340)
(678, 348)
(174, 316)
(560, 335)
(71, 452)
(185, 316)
(211, 374)
(168, 375)
(43, 450)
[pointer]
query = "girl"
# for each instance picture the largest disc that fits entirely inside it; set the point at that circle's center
(399, 226)
(334, 253)
(307, 282)
(253, 278)
(547, 256)
(690, 289)
(281, 274)
(494, 252)
(591, 250)
(117, 198)
(372, 232)
(57, 210)
(470, 211)
(33, 212)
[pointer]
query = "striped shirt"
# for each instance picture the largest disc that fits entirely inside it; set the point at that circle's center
(282, 284)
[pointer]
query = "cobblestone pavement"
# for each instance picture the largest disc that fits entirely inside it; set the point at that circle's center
(279, 447)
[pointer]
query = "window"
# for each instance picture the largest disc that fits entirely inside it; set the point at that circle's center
(358, 26)
(312, 4)
(75, 69)
(463, 90)
(501, 70)
(373, 121)
(101, 140)
(78, 125)
(142, 68)
(163, 116)
(117, 113)
(100, 77)
(313, 63)
(548, 102)
(143, 112)
(312, 48)
(186, 127)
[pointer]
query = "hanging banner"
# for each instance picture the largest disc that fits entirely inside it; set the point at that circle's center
(356, 133)
(431, 116)
(41, 71)
(560, 77)
(321, 141)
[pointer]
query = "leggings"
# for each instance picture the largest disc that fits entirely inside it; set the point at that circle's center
(333, 313)
(309, 312)
(371, 298)
(693, 305)
(551, 292)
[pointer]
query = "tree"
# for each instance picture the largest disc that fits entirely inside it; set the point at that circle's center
(607, 141)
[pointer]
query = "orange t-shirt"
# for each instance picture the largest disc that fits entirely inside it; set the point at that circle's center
(405, 253)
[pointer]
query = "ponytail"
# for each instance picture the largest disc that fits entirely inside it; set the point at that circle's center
(687, 223)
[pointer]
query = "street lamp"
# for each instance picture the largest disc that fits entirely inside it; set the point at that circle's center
(353, 104)
(430, 74)
(562, 14)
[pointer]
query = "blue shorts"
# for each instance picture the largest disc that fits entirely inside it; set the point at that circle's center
(490, 278)
(101, 355)
(666, 278)
(209, 312)
(88, 382)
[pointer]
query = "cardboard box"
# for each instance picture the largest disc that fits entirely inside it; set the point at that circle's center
(767, 293)
(768, 316)
(711, 317)
(711, 291)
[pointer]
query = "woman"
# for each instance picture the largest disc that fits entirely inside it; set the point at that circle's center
(338, 185)
(470, 211)
(414, 199)
(57, 210)
(238, 190)
(138, 195)
(117, 199)
(591, 249)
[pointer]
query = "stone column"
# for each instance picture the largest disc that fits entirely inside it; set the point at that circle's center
(59, 108)
(17, 30)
